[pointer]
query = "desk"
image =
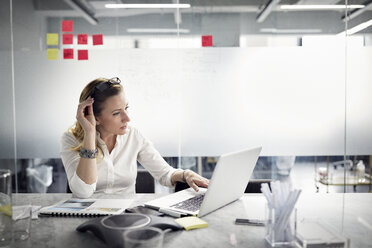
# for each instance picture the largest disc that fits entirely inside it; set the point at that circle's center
(348, 181)
(347, 175)
(351, 179)
(222, 232)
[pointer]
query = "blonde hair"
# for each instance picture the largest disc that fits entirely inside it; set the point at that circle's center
(99, 98)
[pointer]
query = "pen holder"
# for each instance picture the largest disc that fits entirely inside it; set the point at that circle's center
(280, 228)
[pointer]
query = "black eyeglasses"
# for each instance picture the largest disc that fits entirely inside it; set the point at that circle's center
(105, 85)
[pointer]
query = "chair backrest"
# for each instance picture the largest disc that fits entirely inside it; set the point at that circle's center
(144, 182)
(68, 190)
(254, 185)
(181, 186)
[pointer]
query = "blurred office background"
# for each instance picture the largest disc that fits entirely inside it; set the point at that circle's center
(290, 76)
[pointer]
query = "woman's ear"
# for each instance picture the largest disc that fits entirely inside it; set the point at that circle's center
(97, 121)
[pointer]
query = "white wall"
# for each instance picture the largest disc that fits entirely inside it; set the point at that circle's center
(207, 101)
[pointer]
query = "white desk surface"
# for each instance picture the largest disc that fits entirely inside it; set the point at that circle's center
(354, 221)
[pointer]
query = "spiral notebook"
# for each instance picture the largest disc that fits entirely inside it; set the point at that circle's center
(86, 207)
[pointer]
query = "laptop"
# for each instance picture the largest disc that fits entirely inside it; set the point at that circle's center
(229, 180)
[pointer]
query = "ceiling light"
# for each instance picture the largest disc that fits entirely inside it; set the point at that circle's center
(319, 7)
(357, 28)
(147, 6)
(290, 31)
(157, 30)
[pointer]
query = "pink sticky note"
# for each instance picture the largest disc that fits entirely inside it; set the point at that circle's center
(68, 53)
(97, 39)
(82, 54)
(67, 26)
(82, 39)
(207, 40)
(67, 39)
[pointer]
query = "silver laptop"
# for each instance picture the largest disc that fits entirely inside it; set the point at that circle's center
(228, 183)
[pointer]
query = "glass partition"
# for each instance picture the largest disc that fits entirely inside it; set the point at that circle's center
(216, 77)
(7, 122)
(357, 175)
(211, 78)
(231, 71)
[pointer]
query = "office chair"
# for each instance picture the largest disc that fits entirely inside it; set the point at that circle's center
(68, 190)
(181, 186)
(144, 182)
(254, 185)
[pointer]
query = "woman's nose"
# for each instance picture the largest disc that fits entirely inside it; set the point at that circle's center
(125, 117)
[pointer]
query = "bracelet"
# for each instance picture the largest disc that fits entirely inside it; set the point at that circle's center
(85, 153)
(183, 176)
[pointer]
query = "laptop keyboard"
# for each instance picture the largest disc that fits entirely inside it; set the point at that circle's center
(191, 204)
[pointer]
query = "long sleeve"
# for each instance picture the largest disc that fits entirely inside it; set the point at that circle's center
(151, 159)
(70, 161)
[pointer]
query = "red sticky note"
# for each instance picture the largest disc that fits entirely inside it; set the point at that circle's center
(82, 39)
(207, 40)
(82, 54)
(67, 39)
(67, 26)
(97, 39)
(68, 53)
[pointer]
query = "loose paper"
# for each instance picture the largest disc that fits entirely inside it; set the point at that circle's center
(207, 40)
(52, 53)
(68, 53)
(67, 39)
(82, 39)
(82, 54)
(97, 39)
(24, 211)
(52, 39)
(67, 26)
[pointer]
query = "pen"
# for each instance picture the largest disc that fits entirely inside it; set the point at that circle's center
(171, 212)
(250, 222)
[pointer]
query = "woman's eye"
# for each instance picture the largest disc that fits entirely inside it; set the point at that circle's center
(127, 107)
(116, 113)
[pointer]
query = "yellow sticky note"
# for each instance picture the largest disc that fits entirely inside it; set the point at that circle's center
(52, 54)
(6, 209)
(191, 222)
(52, 39)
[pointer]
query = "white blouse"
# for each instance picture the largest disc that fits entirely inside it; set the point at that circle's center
(117, 171)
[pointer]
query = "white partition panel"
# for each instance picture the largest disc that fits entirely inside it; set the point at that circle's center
(359, 98)
(289, 100)
(6, 107)
(203, 101)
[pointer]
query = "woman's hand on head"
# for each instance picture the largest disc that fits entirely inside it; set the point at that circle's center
(87, 121)
(194, 180)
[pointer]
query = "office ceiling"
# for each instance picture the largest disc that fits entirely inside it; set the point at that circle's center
(205, 6)
(251, 8)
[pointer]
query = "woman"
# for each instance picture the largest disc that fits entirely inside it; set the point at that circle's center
(100, 152)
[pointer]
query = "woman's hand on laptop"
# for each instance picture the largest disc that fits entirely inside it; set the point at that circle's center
(194, 180)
